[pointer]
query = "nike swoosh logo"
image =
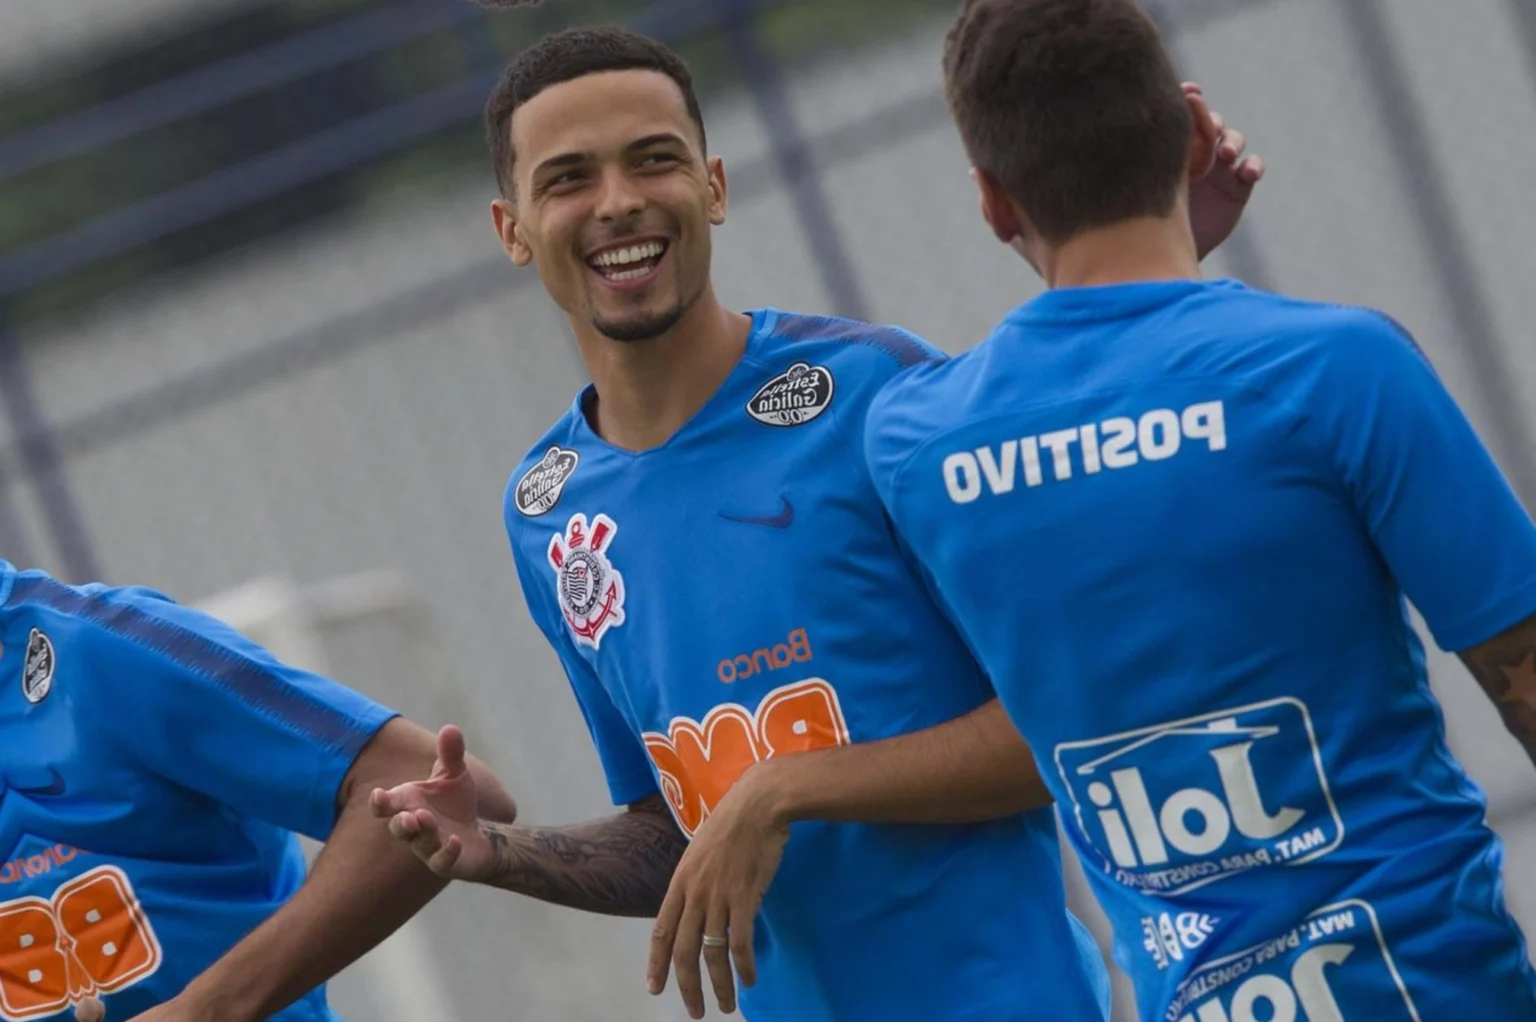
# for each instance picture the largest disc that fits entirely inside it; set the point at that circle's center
(53, 790)
(782, 520)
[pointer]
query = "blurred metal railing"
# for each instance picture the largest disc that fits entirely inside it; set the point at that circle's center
(794, 162)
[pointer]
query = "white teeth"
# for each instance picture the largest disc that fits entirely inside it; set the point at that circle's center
(626, 256)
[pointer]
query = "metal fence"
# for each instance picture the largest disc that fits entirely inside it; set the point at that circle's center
(352, 396)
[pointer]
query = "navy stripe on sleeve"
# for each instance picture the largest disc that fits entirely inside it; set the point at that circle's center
(248, 680)
(905, 349)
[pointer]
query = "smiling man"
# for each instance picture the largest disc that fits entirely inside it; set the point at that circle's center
(699, 542)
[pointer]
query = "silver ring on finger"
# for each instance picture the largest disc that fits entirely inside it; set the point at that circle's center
(714, 941)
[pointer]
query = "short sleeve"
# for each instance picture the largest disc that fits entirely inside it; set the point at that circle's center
(196, 702)
(626, 766)
(889, 439)
(1443, 517)
(891, 436)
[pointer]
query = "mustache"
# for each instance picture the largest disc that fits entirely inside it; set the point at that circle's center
(631, 227)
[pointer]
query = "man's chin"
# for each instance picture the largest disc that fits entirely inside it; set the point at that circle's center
(636, 327)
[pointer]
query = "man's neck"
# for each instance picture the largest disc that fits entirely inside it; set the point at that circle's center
(1128, 252)
(648, 390)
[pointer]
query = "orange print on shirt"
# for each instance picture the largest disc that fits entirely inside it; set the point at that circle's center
(699, 760)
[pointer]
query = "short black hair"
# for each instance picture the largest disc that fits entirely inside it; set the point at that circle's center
(1073, 106)
(566, 56)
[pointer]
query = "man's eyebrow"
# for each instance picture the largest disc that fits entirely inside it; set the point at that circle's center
(563, 160)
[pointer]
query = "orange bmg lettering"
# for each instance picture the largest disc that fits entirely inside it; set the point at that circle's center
(91, 937)
(795, 650)
(699, 761)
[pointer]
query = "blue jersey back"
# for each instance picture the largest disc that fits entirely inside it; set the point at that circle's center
(1177, 522)
(154, 765)
(736, 594)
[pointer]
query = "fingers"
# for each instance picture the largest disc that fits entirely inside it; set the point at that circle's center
(717, 956)
(742, 915)
(90, 1010)
(663, 934)
(685, 958)
(385, 803)
(442, 861)
(1230, 146)
(450, 753)
(418, 828)
(1251, 170)
(406, 825)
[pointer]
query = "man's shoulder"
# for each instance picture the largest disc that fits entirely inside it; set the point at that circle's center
(1263, 318)
(126, 630)
(86, 613)
(856, 347)
(540, 477)
(1289, 347)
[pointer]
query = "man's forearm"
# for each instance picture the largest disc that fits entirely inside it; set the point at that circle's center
(364, 885)
(617, 866)
(1506, 668)
(972, 768)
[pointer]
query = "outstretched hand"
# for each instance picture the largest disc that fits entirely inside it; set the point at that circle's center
(438, 817)
(1217, 199)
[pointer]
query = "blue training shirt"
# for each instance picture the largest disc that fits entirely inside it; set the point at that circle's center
(154, 765)
(1177, 522)
(736, 594)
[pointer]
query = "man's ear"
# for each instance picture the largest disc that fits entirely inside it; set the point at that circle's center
(718, 193)
(1204, 139)
(510, 232)
(997, 209)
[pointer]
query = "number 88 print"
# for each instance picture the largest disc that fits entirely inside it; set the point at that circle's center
(92, 937)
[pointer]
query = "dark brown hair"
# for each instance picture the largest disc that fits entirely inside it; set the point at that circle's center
(566, 56)
(1073, 106)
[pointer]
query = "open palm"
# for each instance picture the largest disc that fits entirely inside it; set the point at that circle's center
(438, 817)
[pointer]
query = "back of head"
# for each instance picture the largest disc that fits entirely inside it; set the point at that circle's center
(566, 56)
(1072, 106)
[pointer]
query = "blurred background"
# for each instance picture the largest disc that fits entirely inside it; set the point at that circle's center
(259, 347)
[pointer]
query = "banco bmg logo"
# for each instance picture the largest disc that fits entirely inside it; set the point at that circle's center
(1175, 806)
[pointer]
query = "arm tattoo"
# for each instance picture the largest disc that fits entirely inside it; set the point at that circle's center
(1506, 668)
(618, 866)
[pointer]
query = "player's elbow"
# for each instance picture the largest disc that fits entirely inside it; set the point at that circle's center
(495, 802)
(399, 752)
(403, 751)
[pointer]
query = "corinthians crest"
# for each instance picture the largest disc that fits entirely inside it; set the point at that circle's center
(540, 487)
(588, 587)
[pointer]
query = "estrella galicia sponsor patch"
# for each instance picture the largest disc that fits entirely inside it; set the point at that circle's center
(538, 491)
(37, 669)
(794, 397)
